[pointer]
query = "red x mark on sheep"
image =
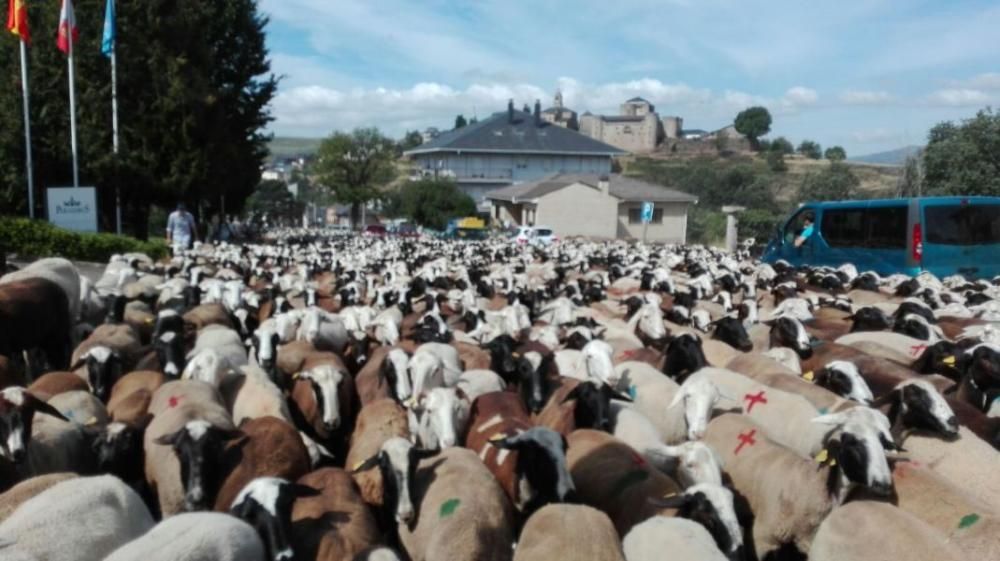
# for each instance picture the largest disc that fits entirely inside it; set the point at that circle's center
(915, 350)
(174, 401)
(754, 399)
(638, 460)
(746, 439)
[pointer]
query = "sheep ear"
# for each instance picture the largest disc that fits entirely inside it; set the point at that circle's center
(168, 439)
(886, 399)
(301, 491)
(39, 406)
(830, 419)
(366, 465)
(573, 394)
(679, 396)
(79, 363)
(670, 501)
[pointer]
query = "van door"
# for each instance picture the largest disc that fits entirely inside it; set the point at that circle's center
(887, 234)
(842, 232)
(961, 236)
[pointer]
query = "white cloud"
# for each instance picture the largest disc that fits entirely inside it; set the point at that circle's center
(800, 96)
(958, 97)
(985, 81)
(864, 97)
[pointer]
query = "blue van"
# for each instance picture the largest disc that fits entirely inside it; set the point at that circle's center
(942, 235)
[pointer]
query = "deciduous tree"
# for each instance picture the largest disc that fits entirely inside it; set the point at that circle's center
(353, 166)
(753, 122)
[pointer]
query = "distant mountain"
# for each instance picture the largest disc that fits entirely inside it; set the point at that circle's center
(895, 157)
(287, 146)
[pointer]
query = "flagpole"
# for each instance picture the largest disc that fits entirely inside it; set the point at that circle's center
(114, 128)
(72, 105)
(27, 129)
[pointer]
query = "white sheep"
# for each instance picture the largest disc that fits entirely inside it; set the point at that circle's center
(660, 400)
(80, 518)
(872, 531)
(195, 536)
(676, 538)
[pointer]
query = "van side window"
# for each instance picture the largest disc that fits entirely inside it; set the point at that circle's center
(844, 227)
(887, 227)
(963, 224)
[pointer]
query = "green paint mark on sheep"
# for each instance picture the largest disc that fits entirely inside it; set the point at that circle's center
(449, 507)
(823, 410)
(632, 391)
(629, 479)
(968, 520)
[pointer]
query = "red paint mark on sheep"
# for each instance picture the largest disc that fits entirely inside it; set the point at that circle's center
(746, 439)
(915, 350)
(174, 401)
(638, 460)
(754, 399)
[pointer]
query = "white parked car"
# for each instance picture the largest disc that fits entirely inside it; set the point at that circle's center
(536, 235)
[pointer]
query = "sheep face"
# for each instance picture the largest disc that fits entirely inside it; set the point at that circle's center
(426, 370)
(922, 407)
(199, 447)
(730, 330)
(593, 405)
(444, 413)
(265, 344)
(395, 370)
(104, 367)
(698, 396)
(712, 507)
(869, 318)
(533, 382)
(118, 448)
(916, 326)
(789, 332)
(597, 355)
(651, 322)
(842, 378)
(860, 456)
(266, 504)
(17, 411)
(542, 474)
(325, 382)
(169, 349)
(697, 463)
(397, 460)
(684, 356)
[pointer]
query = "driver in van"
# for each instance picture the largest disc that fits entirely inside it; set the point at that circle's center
(807, 229)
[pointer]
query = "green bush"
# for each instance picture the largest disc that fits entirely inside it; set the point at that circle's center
(34, 238)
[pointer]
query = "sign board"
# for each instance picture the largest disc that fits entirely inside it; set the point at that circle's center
(647, 212)
(73, 208)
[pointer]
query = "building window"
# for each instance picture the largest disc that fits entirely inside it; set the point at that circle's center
(635, 216)
(627, 129)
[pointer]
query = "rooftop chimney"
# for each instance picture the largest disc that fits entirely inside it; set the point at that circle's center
(510, 111)
(603, 185)
(538, 112)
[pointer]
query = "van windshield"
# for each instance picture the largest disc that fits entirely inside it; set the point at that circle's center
(963, 224)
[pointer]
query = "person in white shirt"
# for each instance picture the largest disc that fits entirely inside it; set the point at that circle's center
(182, 230)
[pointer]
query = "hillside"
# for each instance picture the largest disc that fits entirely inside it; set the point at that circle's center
(895, 157)
(287, 146)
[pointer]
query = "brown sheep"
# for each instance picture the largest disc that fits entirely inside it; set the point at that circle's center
(132, 395)
(22, 303)
(334, 525)
(374, 380)
(462, 511)
(323, 399)
(269, 447)
(472, 356)
(494, 416)
(55, 383)
(612, 477)
(554, 532)
(377, 422)
(18, 494)
(10, 375)
(559, 410)
(208, 314)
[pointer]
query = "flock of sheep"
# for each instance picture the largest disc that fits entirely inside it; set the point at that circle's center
(389, 399)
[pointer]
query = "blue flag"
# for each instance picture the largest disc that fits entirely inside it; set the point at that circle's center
(108, 41)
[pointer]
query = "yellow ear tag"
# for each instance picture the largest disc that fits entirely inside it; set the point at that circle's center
(149, 321)
(949, 360)
(515, 355)
(296, 376)
(808, 376)
(832, 462)
(823, 456)
(668, 495)
(91, 421)
(358, 465)
(497, 437)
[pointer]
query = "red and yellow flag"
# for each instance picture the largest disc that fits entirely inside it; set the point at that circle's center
(17, 19)
(67, 27)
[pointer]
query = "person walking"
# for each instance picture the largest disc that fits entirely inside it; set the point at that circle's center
(182, 231)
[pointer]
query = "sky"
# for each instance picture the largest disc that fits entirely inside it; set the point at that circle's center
(869, 75)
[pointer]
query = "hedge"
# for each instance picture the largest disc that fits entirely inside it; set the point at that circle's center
(35, 238)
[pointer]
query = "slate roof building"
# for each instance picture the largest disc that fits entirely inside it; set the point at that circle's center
(597, 206)
(507, 148)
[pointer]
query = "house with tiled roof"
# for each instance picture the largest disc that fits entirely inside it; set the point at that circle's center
(507, 148)
(595, 206)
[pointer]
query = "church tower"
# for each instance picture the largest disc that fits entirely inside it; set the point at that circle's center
(558, 103)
